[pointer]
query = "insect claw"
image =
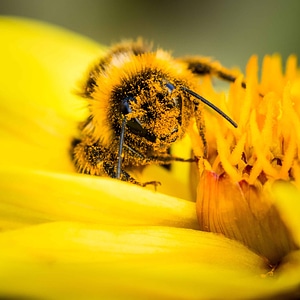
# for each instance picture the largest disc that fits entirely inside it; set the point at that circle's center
(155, 183)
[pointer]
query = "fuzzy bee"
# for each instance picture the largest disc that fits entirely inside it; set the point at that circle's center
(140, 101)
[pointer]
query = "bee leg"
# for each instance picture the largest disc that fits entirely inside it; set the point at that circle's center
(127, 177)
(201, 127)
(110, 170)
(163, 159)
(168, 159)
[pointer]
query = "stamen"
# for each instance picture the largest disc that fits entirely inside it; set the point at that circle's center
(224, 153)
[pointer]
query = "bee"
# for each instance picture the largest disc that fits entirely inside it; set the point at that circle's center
(140, 102)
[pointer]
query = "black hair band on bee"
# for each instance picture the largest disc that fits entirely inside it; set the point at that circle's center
(208, 103)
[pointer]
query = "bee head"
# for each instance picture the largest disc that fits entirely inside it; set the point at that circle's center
(146, 99)
(153, 110)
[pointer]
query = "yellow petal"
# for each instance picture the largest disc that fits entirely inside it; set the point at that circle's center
(243, 213)
(31, 196)
(287, 199)
(40, 65)
(81, 261)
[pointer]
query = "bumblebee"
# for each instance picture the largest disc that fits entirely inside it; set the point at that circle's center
(140, 102)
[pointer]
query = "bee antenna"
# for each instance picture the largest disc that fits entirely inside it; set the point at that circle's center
(119, 165)
(208, 103)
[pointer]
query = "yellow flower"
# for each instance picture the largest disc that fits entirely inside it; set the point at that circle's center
(244, 165)
(72, 236)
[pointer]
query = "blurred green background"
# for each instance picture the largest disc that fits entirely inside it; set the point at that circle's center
(228, 30)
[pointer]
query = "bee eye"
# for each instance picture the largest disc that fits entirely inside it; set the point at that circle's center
(134, 124)
(125, 105)
(170, 87)
(176, 101)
